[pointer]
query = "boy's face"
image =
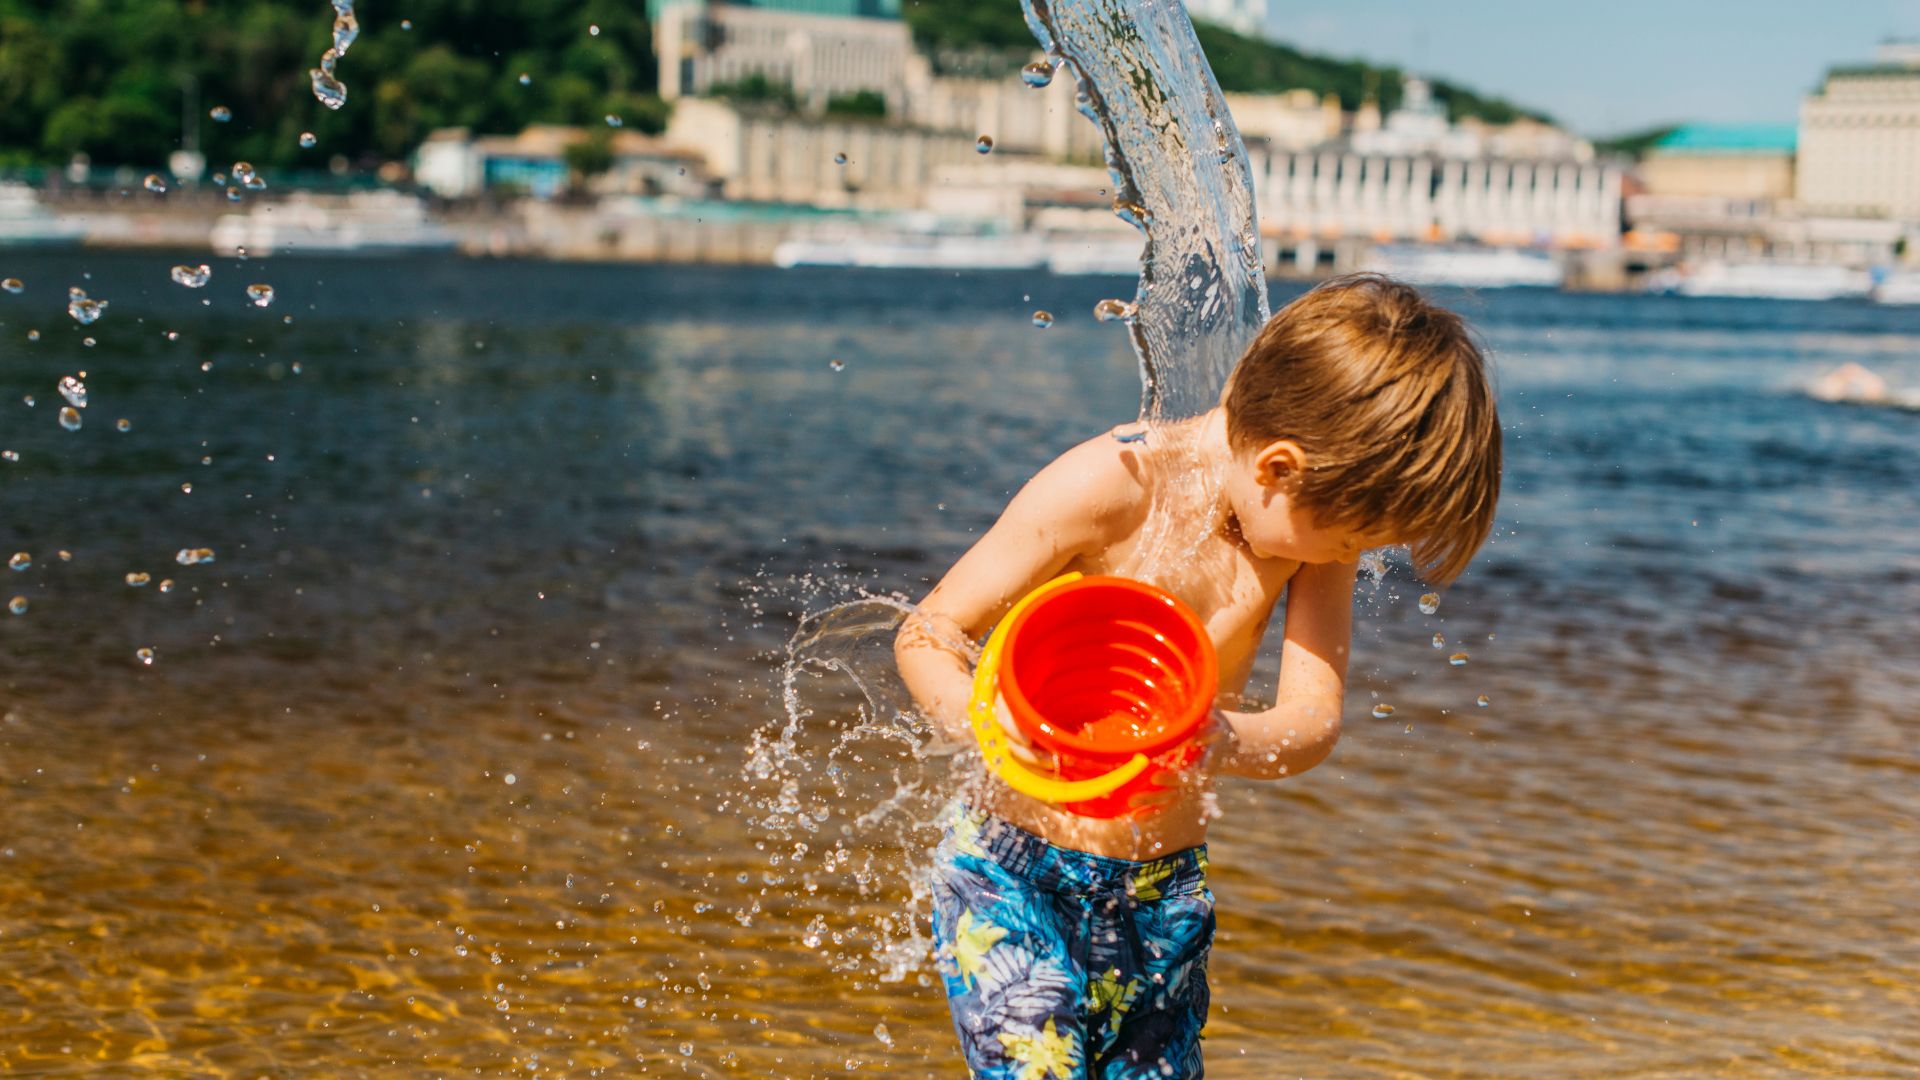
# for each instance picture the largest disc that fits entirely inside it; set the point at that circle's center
(1262, 489)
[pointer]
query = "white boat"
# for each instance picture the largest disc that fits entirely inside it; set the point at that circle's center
(1775, 281)
(25, 223)
(1073, 255)
(365, 222)
(913, 250)
(1900, 287)
(1467, 267)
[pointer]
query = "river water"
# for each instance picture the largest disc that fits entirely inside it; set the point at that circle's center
(440, 766)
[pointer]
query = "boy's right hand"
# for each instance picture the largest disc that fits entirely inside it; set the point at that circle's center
(1017, 742)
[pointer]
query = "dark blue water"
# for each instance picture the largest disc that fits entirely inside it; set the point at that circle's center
(503, 508)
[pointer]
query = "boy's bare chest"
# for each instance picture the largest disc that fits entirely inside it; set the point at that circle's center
(1233, 593)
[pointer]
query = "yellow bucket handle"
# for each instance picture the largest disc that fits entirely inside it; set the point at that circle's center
(986, 729)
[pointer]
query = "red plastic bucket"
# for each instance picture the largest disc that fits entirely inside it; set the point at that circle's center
(1103, 668)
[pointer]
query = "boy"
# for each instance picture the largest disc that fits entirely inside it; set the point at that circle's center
(1360, 417)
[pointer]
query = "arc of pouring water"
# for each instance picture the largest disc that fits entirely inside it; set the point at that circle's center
(1174, 152)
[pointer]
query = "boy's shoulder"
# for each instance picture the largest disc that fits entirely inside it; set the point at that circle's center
(1102, 475)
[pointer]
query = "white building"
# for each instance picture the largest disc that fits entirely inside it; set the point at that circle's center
(1859, 147)
(785, 159)
(819, 56)
(1339, 192)
(1293, 120)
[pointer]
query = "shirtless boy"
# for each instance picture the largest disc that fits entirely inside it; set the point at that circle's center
(1361, 417)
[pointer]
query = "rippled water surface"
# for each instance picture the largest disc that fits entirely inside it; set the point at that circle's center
(440, 765)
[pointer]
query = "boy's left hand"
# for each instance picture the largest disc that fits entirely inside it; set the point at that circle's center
(1216, 741)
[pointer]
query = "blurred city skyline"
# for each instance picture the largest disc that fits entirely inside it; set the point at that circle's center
(1613, 68)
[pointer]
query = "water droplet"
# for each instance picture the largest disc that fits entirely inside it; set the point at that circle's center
(1132, 213)
(20, 561)
(193, 277)
(1043, 319)
(233, 194)
(10, 455)
(839, 159)
(511, 779)
(526, 79)
(187, 488)
(1458, 659)
(1483, 701)
(70, 418)
(88, 342)
(1429, 603)
(83, 310)
(1037, 74)
(837, 365)
(1382, 711)
(166, 584)
(173, 335)
(614, 121)
(1109, 310)
(33, 335)
(138, 579)
(686, 1049)
(346, 28)
(594, 29)
(880, 1032)
(206, 365)
(123, 424)
(193, 556)
(1130, 433)
(220, 113)
(29, 400)
(307, 140)
(328, 90)
(296, 367)
(155, 183)
(406, 24)
(145, 655)
(984, 144)
(246, 177)
(261, 295)
(17, 605)
(14, 285)
(1439, 641)
(74, 391)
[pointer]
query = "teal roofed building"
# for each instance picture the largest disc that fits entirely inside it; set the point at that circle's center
(862, 9)
(1726, 161)
(1730, 139)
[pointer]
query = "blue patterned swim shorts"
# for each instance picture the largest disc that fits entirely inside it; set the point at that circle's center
(1061, 964)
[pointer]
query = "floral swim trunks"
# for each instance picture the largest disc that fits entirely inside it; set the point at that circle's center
(1061, 964)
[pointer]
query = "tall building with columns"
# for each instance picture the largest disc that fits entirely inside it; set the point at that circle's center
(1859, 152)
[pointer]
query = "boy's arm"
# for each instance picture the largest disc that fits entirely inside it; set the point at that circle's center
(1075, 505)
(1300, 730)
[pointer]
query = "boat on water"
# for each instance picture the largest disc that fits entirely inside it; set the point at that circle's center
(1467, 267)
(1899, 287)
(362, 223)
(1079, 255)
(1774, 281)
(945, 246)
(897, 249)
(25, 223)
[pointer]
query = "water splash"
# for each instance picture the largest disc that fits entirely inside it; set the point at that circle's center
(1142, 77)
(1180, 176)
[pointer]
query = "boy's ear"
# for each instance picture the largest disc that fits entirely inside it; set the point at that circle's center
(1282, 461)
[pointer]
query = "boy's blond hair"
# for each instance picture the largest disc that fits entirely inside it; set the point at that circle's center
(1388, 395)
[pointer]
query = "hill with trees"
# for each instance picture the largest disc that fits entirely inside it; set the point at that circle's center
(121, 80)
